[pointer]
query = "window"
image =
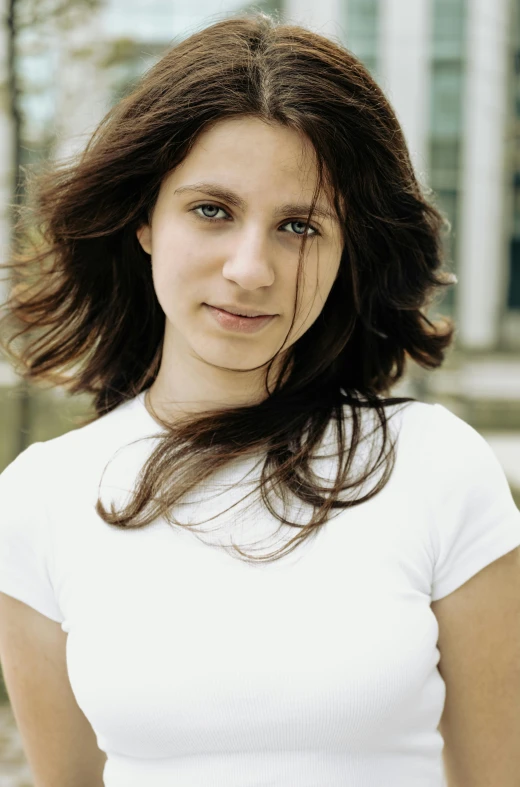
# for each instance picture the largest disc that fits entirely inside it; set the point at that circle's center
(449, 18)
(361, 21)
(447, 85)
(446, 95)
(513, 300)
(513, 296)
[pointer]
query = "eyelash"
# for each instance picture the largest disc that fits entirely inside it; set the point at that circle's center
(212, 205)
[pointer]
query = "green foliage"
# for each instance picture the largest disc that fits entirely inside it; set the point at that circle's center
(272, 7)
(3, 691)
(31, 14)
(121, 51)
(50, 414)
(126, 61)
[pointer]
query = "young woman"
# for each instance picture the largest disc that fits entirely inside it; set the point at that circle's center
(236, 269)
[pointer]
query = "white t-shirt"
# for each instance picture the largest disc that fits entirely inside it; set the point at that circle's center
(197, 669)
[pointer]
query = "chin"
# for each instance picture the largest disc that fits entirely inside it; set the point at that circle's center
(239, 364)
(228, 358)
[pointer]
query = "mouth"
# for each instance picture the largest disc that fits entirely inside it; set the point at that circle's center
(240, 312)
(244, 323)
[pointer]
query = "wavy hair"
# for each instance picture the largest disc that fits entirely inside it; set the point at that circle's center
(84, 277)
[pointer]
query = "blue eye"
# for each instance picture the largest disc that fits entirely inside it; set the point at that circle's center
(311, 231)
(211, 207)
(304, 226)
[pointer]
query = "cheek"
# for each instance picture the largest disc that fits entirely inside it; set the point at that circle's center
(316, 284)
(175, 267)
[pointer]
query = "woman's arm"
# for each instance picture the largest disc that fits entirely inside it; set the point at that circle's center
(58, 740)
(479, 643)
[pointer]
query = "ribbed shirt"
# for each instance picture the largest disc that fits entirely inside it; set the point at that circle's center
(196, 669)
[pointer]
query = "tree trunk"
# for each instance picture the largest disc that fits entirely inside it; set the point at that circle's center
(24, 393)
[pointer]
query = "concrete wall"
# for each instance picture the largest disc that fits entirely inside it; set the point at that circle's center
(482, 251)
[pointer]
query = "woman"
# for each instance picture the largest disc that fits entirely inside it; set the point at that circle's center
(236, 270)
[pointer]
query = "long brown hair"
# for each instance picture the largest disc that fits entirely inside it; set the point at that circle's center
(81, 285)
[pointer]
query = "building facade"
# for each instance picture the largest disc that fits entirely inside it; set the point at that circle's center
(451, 69)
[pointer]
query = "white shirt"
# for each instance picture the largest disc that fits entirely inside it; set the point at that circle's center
(196, 669)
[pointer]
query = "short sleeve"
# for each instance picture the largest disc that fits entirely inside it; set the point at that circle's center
(475, 519)
(25, 548)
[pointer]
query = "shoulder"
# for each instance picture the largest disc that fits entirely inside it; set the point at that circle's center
(15, 477)
(456, 470)
(427, 417)
(440, 453)
(436, 433)
(74, 454)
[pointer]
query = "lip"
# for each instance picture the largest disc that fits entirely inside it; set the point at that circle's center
(233, 322)
(239, 311)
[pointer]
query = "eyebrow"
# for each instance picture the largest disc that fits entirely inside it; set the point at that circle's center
(219, 192)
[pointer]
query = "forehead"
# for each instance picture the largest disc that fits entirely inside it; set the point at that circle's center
(225, 134)
(248, 150)
(253, 159)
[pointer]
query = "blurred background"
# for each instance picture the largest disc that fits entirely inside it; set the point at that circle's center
(451, 69)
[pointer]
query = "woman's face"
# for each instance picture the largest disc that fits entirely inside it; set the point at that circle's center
(226, 232)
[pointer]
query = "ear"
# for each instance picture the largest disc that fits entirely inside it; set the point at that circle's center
(144, 236)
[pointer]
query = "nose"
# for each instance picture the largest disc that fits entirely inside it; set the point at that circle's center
(248, 263)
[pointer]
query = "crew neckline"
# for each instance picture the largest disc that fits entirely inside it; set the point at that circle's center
(139, 399)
